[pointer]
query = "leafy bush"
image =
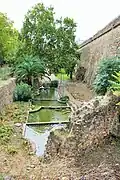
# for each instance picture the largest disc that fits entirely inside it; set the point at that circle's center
(54, 84)
(22, 92)
(106, 68)
(115, 85)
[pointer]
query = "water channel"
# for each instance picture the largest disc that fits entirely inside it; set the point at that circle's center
(38, 134)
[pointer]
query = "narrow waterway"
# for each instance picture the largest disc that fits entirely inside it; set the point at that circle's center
(39, 134)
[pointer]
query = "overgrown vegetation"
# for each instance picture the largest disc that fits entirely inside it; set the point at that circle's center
(105, 72)
(9, 41)
(44, 46)
(115, 85)
(15, 112)
(50, 39)
(22, 92)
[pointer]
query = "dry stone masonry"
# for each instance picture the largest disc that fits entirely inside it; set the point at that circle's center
(91, 124)
(104, 44)
(6, 92)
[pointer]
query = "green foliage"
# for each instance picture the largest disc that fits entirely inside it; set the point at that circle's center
(106, 70)
(22, 92)
(115, 85)
(50, 39)
(5, 133)
(54, 83)
(29, 69)
(62, 75)
(1, 177)
(8, 38)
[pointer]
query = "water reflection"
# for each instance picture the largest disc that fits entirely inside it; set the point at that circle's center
(39, 136)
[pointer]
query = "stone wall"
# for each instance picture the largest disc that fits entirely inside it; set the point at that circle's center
(6, 92)
(102, 45)
(91, 124)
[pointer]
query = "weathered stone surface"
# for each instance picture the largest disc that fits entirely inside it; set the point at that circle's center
(80, 74)
(52, 147)
(90, 125)
(7, 178)
(6, 92)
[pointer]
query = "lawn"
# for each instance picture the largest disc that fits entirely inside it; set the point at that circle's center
(62, 75)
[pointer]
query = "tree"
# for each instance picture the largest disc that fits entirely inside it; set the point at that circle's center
(29, 69)
(8, 38)
(50, 39)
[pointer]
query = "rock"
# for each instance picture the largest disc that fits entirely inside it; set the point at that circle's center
(7, 178)
(32, 166)
(83, 178)
(18, 124)
(28, 168)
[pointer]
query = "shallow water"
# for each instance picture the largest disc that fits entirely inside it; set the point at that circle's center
(39, 136)
(47, 103)
(51, 94)
(47, 115)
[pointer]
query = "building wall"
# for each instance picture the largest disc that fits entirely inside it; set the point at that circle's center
(104, 44)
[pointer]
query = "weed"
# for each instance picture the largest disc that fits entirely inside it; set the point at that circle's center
(5, 133)
(1, 177)
(12, 150)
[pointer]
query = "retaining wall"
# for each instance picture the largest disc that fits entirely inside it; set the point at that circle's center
(6, 92)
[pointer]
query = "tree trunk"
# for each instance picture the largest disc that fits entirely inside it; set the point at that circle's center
(30, 81)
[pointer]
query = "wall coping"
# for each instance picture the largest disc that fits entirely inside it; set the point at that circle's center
(112, 25)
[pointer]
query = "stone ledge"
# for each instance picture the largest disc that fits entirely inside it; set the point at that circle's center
(113, 24)
(6, 92)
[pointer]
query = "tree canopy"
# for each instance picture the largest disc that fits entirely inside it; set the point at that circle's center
(51, 39)
(8, 38)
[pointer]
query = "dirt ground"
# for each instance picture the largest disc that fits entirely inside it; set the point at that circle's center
(79, 91)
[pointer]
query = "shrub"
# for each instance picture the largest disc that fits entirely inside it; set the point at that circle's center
(106, 68)
(29, 69)
(115, 85)
(54, 84)
(22, 92)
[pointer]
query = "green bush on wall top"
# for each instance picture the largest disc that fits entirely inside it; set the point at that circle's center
(54, 84)
(106, 69)
(22, 92)
(115, 85)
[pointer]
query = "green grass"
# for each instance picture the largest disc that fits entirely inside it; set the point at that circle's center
(62, 76)
(1, 177)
